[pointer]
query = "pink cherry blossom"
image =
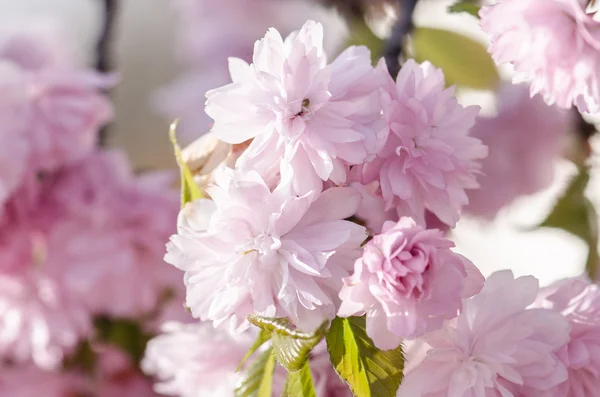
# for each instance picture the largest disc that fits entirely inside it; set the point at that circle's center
(524, 139)
(31, 381)
(58, 106)
(65, 113)
(269, 252)
(496, 347)
(554, 44)
(579, 301)
(123, 220)
(428, 159)
(195, 360)
(205, 46)
(407, 282)
(316, 117)
(41, 319)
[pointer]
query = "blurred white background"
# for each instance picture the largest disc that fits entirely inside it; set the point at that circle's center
(144, 58)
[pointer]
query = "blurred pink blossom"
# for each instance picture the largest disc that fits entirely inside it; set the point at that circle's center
(407, 282)
(65, 113)
(41, 318)
(428, 160)
(524, 140)
(125, 220)
(32, 381)
(269, 252)
(57, 106)
(579, 301)
(496, 347)
(553, 44)
(195, 360)
(300, 111)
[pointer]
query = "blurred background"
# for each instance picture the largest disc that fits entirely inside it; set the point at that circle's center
(168, 53)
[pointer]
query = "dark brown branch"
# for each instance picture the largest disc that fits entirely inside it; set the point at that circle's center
(104, 62)
(395, 43)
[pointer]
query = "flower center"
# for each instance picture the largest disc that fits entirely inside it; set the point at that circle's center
(304, 110)
(263, 244)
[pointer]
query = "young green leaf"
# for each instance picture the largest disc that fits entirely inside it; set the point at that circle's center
(258, 381)
(290, 346)
(575, 214)
(465, 6)
(189, 190)
(370, 372)
(465, 62)
(261, 339)
(299, 383)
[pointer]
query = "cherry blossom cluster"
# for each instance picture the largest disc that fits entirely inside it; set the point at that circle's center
(81, 236)
(322, 180)
(552, 44)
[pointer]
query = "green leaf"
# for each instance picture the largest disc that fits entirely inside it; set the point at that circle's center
(291, 347)
(370, 372)
(465, 62)
(258, 381)
(299, 384)
(189, 190)
(82, 359)
(126, 334)
(465, 6)
(361, 34)
(575, 214)
(261, 339)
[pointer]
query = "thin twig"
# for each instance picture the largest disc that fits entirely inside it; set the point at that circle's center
(395, 43)
(103, 50)
(104, 58)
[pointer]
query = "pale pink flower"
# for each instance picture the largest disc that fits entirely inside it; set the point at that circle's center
(554, 44)
(428, 160)
(524, 139)
(41, 319)
(195, 360)
(32, 381)
(123, 221)
(59, 106)
(579, 301)
(270, 252)
(496, 347)
(66, 111)
(316, 117)
(205, 46)
(408, 282)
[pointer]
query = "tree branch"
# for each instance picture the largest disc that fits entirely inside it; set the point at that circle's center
(103, 50)
(395, 43)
